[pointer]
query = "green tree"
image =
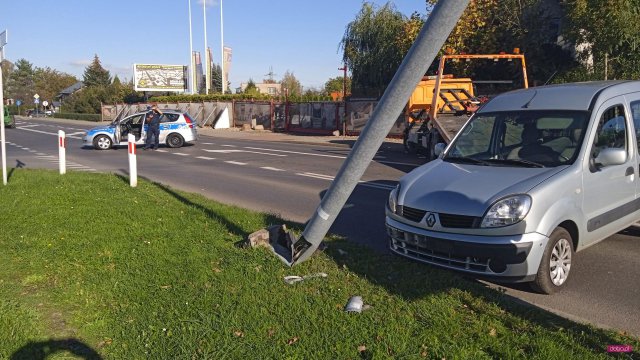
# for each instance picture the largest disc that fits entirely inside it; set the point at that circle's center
(49, 82)
(373, 47)
(608, 37)
(21, 82)
(251, 88)
(96, 75)
(291, 84)
(492, 26)
(336, 84)
(216, 78)
(7, 69)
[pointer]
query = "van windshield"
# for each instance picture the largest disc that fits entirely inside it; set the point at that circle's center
(530, 138)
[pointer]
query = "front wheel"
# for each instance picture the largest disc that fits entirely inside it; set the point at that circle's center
(555, 265)
(175, 141)
(102, 142)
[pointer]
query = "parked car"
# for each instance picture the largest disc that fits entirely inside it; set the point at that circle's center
(9, 120)
(533, 176)
(176, 128)
(35, 113)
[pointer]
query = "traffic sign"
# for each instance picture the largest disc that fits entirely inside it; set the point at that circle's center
(36, 96)
(36, 101)
(45, 103)
(18, 102)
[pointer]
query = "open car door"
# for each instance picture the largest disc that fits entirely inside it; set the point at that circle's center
(117, 132)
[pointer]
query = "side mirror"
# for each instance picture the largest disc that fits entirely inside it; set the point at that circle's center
(439, 149)
(611, 156)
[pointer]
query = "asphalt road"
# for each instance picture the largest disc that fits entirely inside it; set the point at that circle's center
(288, 180)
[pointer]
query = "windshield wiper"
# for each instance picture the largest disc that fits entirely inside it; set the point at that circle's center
(522, 162)
(466, 160)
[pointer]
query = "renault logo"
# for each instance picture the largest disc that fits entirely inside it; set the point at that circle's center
(431, 219)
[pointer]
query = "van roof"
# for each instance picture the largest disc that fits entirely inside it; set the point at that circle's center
(570, 96)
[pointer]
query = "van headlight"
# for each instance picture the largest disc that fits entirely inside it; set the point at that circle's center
(507, 211)
(393, 199)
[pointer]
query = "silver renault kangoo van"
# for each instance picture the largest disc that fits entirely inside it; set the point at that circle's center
(532, 177)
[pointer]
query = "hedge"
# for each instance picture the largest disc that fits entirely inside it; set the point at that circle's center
(87, 117)
(230, 97)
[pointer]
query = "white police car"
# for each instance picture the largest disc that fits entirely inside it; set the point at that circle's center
(176, 128)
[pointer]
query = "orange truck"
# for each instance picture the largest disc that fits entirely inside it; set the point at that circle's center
(440, 117)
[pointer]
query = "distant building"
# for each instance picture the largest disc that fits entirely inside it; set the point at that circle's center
(65, 93)
(273, 89)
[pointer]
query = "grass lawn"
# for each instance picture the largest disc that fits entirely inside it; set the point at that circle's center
(92, 267)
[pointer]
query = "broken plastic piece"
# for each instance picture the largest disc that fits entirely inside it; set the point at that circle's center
(292, 279)
(354, 304)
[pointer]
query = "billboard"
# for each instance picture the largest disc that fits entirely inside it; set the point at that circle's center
(151, 77)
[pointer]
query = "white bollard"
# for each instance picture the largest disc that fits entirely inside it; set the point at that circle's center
(133, 165)
(62, 154)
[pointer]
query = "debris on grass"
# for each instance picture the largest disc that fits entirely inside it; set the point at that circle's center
(354, 304)
(292, 279)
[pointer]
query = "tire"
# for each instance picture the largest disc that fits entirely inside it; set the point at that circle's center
(102, 142)
(553, 272)
(175, 140)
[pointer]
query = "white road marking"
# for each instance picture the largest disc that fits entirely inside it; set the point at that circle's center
(235, 163)
(362, 183)
(297, 152)
(160, 150)
(317, 176)
(333, 156)
(75, 133)
(181, 154)
(241, 151)
(207, 143)
(229, 145)
(271, 168)
(205, 158)
(48, 133)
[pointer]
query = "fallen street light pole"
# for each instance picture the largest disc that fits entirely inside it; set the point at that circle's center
(434, 33)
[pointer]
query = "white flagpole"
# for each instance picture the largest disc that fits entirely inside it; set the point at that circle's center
(222, 77)
(206, 53)
(191, 65)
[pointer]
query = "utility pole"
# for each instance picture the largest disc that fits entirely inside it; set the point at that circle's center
(344, 99)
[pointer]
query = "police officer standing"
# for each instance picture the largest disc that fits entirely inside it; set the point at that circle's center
(153, 131)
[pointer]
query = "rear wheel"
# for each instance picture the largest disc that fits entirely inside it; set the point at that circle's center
(175, 141)
(555, 265)
(102, 142)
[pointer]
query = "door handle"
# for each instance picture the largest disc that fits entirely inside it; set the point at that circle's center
(629, 171)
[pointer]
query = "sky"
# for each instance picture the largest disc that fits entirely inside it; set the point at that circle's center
(299, 36)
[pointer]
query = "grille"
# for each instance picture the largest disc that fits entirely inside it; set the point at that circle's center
(413, 214)
(459, 221)
(434, 251)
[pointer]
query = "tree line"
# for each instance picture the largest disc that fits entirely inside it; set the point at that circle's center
(563, 41)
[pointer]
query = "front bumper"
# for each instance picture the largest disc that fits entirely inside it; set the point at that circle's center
(505, 258)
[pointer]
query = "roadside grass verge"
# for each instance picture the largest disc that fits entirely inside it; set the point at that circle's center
(89, 264)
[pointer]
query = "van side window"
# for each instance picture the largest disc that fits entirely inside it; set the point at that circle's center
(635, 113)
(612, 130)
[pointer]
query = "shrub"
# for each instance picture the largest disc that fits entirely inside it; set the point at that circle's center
(87, 117)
